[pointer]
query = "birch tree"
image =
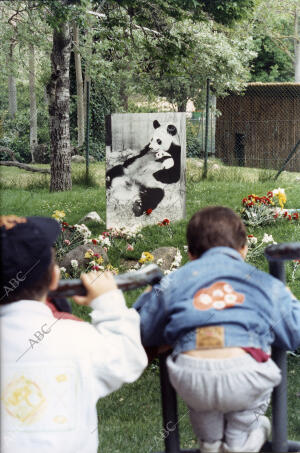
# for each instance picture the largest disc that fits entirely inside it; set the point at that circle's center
(59, 100)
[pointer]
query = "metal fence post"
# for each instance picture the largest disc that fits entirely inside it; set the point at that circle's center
(87, 131)
(276, 254)
(206, 129)
(169, 409)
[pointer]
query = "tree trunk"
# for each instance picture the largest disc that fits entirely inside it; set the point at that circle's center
(297, 46)
(33, 112)
(79, 87)
(59, 99)
(12, 88)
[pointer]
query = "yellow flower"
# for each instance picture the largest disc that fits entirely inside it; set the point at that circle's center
(58, 215)
(89, 254)
(112, 269)
(281, 199)
(146, 258)
(99, 260)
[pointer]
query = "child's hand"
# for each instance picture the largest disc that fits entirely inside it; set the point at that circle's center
(96, 284)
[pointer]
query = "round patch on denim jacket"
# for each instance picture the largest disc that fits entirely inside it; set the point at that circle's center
(219, 296)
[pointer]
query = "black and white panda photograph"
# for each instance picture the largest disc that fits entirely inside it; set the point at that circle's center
(145, 168)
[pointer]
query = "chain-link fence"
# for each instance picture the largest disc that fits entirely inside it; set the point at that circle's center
(260, 128)
(195, 131)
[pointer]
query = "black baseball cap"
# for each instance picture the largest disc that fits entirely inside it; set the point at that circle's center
(26, 244)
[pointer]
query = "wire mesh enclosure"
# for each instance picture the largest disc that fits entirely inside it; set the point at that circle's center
(261, 127)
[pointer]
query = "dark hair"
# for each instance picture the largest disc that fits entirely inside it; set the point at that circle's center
(34, 292)
(215, 226)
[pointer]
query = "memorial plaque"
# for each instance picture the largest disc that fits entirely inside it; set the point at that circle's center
(145, 168)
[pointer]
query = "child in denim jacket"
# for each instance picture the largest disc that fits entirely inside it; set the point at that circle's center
(221, 315)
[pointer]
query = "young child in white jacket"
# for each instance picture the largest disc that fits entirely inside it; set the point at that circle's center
(54, 369)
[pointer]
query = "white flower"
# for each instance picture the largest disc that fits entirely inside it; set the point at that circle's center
(74, 264)
(159, 261)
(104, 241)
(84, 232)
(278, 191)
(252, 240)
(62, 269)
(186, 248)
(177, 260)
(268, 238)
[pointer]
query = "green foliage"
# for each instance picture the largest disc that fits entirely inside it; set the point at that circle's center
(227, 11)
(271, 63)
(193, 145)
(16, 137)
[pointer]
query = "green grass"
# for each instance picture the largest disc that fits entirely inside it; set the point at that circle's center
(130, 419)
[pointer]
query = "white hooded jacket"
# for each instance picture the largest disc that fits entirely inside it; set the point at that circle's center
(53, 371)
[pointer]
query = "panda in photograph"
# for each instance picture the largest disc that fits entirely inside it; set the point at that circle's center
(143, 176)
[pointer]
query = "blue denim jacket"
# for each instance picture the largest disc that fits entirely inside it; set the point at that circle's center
(260, 310)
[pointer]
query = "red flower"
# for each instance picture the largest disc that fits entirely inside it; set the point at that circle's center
(166, 222)
(94, 241)
(148, 212)
(296, 216)
(63, 229)
(285, 214)
(289, 217)
(270, 194)
(96, 255)
(244, 200)
(250, 236)
(65, 224)
(276, 215)
(96, 268)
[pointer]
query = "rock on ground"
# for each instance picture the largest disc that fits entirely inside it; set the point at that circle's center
(78, 159)
(78, 254)
(164, 257)
(91, 216)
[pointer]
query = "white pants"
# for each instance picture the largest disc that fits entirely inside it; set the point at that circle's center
(225, 397)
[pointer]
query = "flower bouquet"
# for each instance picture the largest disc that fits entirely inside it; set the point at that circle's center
(263, 210)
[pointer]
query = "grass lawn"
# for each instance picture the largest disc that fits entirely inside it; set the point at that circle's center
(130, 419)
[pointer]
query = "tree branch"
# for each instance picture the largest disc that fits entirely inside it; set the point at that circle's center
(26, 167)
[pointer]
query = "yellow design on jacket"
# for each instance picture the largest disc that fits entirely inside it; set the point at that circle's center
(24, 400)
